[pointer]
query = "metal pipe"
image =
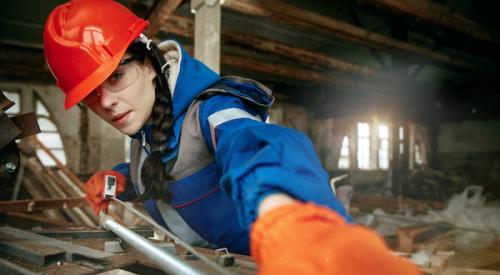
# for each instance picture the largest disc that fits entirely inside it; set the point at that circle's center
(167, 262)
(176, 240)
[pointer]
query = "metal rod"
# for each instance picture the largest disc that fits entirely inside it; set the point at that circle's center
(193, 251)
(167, 262)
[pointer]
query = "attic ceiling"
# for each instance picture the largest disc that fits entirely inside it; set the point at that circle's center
(429, 58)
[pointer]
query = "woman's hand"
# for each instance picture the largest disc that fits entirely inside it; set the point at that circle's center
(94, 188)
(296, 238)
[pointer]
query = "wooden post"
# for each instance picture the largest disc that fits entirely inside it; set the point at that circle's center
(207, 25)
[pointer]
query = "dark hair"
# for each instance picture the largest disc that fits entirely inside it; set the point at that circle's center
(154, 176)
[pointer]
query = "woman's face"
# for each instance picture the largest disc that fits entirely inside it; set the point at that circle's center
(125, 100)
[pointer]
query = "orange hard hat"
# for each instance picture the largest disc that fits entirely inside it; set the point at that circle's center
(83, 42)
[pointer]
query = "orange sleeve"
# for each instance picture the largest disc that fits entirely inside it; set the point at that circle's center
(308, 239)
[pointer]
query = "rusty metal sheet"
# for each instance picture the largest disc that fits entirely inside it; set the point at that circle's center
(73, 251)
(8, 130)
(27, 123)
(5, 103)
(34, 252)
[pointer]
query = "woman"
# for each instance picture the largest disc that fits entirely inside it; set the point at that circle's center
(203, 159)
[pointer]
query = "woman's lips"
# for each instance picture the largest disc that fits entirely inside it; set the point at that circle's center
(121, 119)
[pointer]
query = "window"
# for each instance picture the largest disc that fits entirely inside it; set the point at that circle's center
(344, 154)
(49, 136)
(383, 146)
(363, 145)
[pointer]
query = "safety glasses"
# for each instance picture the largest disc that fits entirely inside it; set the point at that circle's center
(124, 75)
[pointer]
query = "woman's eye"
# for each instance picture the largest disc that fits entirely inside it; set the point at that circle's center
(116, 76)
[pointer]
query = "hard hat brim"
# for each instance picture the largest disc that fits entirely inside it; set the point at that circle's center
(93, 81)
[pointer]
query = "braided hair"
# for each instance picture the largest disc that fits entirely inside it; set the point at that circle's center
(154, 176)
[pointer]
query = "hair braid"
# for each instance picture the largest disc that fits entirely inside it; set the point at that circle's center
(154, 176)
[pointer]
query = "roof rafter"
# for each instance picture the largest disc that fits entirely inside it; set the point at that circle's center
(160, 13)
(329, 26)
(436, 14)
(184, 26)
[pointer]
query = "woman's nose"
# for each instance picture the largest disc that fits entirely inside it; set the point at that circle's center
(108, 99)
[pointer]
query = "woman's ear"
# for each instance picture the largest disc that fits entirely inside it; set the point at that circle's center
(149, 69)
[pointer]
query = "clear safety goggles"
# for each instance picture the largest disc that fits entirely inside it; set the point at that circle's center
(123, 76)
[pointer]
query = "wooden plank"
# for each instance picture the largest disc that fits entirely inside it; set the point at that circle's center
(59, 164)
(310, 21)
(183, 26)
(29, 221)
(40, 204)
(406, 238)
(469, 271)
(36, 193)
(72, 190)
(367, 201)
(436, 14)
(409, 237)
(283, 70)
(161, 11)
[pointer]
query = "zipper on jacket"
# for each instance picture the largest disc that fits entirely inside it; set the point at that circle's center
(143, 139)
(143, 142)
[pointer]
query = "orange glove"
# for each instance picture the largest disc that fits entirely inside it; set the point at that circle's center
(94, 188)
(307, 239)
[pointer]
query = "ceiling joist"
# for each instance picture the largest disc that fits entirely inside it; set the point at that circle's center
(159, 15)
(436, 14)
(285, 71)
(312, 21)
(183, 26)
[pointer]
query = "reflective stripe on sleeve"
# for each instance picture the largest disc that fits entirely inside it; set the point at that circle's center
(226, 115)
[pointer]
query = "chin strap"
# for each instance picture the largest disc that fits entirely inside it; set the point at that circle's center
(144, 39)
(151, 47)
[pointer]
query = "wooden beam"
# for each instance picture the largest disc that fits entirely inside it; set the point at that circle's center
(280, 70)
(406, 238)
(183, 26)
(328, 26)
(368, 202)
(161, 12)
(436, 14)
(28, 221)
(298, 54)
(284, 71)
(42, 204)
